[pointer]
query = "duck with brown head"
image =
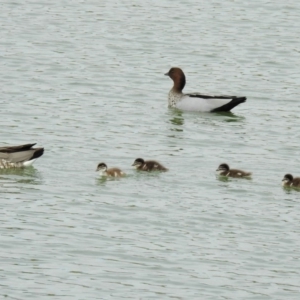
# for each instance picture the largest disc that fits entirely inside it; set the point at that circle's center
(195, 101)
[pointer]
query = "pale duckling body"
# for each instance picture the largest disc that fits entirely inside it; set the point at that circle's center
(19, 156)
(195, 101)
(148, 165)
(289, 181)
(224, 170)
(112, 172)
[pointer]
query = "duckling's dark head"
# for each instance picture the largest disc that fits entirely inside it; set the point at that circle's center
(138, 162)
(223, 167)
(101, 167)
(288, 178)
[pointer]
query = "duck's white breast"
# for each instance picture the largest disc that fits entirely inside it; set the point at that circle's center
(173, 98)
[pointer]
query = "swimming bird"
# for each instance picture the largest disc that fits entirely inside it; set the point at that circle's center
(148, 165)
(112, 172)
(224, 170)
(19, 156)
(289, 181)
(195, 101)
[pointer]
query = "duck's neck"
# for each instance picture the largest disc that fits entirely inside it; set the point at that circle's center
(175, 93)
(179, 83)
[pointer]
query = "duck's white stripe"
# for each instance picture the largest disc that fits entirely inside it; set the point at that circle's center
(28, 163)
(198, 104)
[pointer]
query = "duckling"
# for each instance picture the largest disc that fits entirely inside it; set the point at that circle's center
(113, 172)
(289, 181)
(148, 165)
(224, 170)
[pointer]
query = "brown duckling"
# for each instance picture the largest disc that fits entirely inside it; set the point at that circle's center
(148, 165)
(289, 181)
(113, 172)
(224, 170)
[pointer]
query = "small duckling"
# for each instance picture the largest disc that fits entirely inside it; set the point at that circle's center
(224, 170)
(148, 165)
(289, 181)
(113, 172)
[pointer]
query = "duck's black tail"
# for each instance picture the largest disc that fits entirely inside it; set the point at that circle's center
(230, 105)
(37, 153)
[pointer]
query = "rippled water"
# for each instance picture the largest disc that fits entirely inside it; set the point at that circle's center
(85, 80)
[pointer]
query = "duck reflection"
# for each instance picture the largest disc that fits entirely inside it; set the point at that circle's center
(27, 175)
(176, 119)
(230, 117)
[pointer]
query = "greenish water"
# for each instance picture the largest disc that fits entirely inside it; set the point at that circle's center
(85, 80)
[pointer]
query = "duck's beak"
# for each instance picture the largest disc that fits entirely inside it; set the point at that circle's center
(167, 74)
(133, 165)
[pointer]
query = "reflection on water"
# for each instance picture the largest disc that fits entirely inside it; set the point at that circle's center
(290, 189)
(231, 117)
(176, 118)
(227, 179)
(102, 180)
(28, 175)
(222, 178)
(29, 171)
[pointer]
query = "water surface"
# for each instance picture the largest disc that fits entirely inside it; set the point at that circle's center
(85, 80)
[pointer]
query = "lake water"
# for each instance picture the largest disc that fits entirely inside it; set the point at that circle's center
(85, 80)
